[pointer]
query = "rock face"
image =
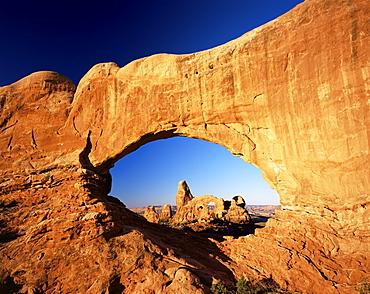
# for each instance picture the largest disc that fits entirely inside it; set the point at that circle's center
(193, 212)
(166, 213)
(183, 195)
(151, 215)
(291, 97)
(207, 208)
(239, 201)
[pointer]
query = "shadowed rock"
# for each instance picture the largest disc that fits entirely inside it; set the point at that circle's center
(239, 201)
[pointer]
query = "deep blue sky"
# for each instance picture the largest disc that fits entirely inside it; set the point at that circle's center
(151, 174)
(70, 37)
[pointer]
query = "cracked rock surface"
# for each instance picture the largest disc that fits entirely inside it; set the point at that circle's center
(291, 97)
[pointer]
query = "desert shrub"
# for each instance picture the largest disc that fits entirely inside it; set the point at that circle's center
(219, 288)
(364, 287)
(243, 286)
(164, 221)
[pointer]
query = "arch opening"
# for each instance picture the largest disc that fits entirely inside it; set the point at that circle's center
(211, 206)
(149, 175)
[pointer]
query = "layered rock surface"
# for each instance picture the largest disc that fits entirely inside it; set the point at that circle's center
(291, 97)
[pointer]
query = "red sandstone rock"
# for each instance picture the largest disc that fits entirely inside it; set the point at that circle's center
(166, 213)
(197, 209)
(151, 215)
(291, 97)
(183, 195)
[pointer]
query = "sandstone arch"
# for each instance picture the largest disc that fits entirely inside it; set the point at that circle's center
(291, 97)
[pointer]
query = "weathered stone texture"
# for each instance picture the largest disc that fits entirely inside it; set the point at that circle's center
(291, 97)
(166, 212)
(183, 195)
(239, 201)
(151, 215)
(207, 208)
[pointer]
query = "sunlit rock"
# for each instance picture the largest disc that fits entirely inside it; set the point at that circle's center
(166, 213)
(183, 195)
(151, 214)
(291, 97)
(208, 208)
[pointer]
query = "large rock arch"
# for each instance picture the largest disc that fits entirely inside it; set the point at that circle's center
(291, 97)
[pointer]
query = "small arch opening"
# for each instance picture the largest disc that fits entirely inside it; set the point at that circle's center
(211, 206)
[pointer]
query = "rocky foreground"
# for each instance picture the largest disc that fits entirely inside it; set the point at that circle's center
(291, 97)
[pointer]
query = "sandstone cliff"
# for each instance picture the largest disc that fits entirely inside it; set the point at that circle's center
(291, 97)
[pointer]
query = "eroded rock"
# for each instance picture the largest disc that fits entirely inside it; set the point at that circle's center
(166, 213)
(151, 214)
(239, 201)
(208, 208)
(212, 212)
(183, 195)
(291, 97)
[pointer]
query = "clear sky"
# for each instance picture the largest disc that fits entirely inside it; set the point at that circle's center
(152, 172)
(70, 37)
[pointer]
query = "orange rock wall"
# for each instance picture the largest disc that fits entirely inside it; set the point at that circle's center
(291, 97)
